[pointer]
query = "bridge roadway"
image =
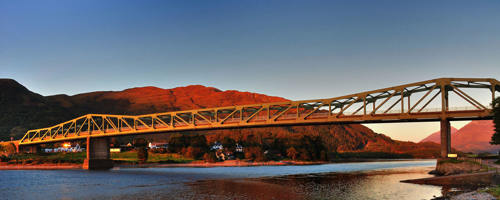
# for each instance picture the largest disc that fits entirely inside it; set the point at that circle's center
(404, 103)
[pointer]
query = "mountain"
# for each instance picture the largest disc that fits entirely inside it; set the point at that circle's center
(27, 110)
(143, 100)
(473, 137)
(436, 136)
(21, 109)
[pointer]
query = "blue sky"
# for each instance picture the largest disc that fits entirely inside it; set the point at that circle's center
(292, 49)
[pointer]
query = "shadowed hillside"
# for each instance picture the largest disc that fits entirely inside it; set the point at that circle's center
(21, 109)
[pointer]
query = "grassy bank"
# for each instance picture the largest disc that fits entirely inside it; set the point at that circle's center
(495, 191)
(44, 158)
(78, 158)
(131, 157)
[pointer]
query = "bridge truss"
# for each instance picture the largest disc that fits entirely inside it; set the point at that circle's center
(422, 101)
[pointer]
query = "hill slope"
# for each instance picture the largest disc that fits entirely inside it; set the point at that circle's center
(436, 136)
(473, 137)
(21, 109)
(145, 100)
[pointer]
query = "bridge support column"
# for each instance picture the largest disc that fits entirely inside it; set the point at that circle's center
(98, 156)
(27, 149)
(32, 149)
(445, 138)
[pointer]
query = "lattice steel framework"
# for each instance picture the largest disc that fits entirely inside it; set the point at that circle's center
(402, 103)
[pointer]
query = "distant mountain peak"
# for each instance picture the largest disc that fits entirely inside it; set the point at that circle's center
(436, 136)
(11, 85)
(13, 93)
(473, 137)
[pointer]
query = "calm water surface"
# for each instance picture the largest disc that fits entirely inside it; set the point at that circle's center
(368, 180)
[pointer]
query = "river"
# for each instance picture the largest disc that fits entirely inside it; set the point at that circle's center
(366, 180)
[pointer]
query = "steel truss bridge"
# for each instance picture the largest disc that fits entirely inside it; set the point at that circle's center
(421, 101)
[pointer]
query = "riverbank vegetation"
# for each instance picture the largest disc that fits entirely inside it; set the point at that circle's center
(495, 138)
(132, 157)
(495, 191)
(43, 158)
(259, 148)
(129, 157)
(183, 148)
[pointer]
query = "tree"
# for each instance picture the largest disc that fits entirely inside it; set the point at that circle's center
(113, 142)
(177, 143)
(292, 153)
(210, 157)
(323, 156)
(305, 154)
(254, 153)
(495, 139)
(140, 145)
(229, 143)
(9, 148)
(190, 152)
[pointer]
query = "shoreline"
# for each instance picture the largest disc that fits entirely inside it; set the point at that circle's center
(231, 163)
(40, 167)
(194, 164)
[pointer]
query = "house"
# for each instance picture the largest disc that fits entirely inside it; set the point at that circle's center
(66, 148)
(239, 148)
(217, 146)
(157, 145)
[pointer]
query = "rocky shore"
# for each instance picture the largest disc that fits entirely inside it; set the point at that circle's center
(473, 195)
(471, 176)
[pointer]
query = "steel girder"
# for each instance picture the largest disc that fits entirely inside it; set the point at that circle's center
(393, 104)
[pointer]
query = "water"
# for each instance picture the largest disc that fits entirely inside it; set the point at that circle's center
(368, 180)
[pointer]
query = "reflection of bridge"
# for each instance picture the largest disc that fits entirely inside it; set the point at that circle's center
(433, 100)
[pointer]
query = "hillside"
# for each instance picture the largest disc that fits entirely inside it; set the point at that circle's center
(27, 110)
(436, 136)
(143, 100)
(473, 137)
(22, 109)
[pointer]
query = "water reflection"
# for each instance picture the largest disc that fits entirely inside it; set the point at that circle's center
(382, 184)
(375, 180)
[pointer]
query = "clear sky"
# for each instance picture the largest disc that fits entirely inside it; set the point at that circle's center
(293, 49)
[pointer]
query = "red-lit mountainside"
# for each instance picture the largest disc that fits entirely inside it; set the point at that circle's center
(23, 110)
(473, 137)
(436, 136)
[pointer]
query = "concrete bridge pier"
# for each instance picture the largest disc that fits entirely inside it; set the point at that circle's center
(27, 149)
(98, 156)
(32, 149)
(445, 138)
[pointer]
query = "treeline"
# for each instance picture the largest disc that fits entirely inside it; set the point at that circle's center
(301, 148)
(264, 147)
